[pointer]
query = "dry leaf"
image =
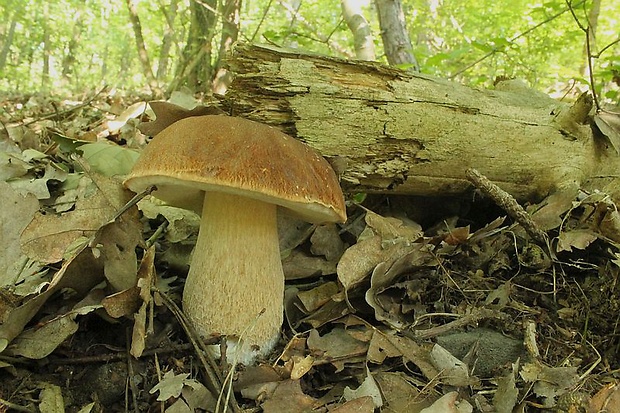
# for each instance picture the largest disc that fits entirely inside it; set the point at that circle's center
(81, 273)
(168, 113)
(288, 398)
(316, 297)
(146, 281)
(506, 396)
(380, 348)
(326, 241)
(16, 213)
(390, 239)
(577, 238)
(336, 346)
(390, 311)
(449, 403)
(549, 382)
(368, 388)
(47, 237)
(453, 371)
(400, 394)
(40, 341)
(606, 400)
(298, 265)
(362, 404)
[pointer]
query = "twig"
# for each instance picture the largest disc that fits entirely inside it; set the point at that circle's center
(109, 357)
(133, 201)
(510, 41)
(588, 32)
(16, 407)
(507, 202)
(56, 113)
(471, 318)
(213, 376)
(130, 374)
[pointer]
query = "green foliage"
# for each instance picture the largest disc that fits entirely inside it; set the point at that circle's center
(92, 42)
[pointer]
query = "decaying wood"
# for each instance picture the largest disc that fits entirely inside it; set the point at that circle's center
(385, 130)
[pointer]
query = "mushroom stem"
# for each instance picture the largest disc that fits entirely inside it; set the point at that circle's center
(235, 273)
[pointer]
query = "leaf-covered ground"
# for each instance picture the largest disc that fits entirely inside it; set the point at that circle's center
(413, 305)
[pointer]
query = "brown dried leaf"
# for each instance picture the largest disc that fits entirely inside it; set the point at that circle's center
(606, 400)
(400, 395)
(578, 238)
(288, 398)
(368, 389)
(449, 403)
(549, 382)
(381, 348)
(391, 240)
(299, 265)
(337, 344)
(168, 113)
(326, 242)
(47, 237)
(316, 297)
(146, 281)
(609, 124)
(418, 354)
(81, 273)
(384, 276)
(362, 404)
(16, 213)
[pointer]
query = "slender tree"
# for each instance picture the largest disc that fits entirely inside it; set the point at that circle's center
(195, 68)
(593, 14)
(230, 33)
(362, 34)
(168, 38)
(396, 40)
(47, 48)
(143, 56)
(8, 37)
(69, 59)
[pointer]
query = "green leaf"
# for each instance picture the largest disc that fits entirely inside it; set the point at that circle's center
(108, 159)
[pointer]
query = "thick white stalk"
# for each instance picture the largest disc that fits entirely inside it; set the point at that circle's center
(235, 273)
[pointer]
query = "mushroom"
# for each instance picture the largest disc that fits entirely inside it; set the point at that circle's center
(237, 172)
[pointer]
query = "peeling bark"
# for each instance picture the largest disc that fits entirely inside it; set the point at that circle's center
(388, 131)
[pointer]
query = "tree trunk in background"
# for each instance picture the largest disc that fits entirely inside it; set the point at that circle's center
(593, 14)
(230, 32)
(8, 40)
(195, 71)
(166, 43)
(362, 34)
(143, 56)
(389, 131)
(396, 40)
(46, 47)
(68, 61)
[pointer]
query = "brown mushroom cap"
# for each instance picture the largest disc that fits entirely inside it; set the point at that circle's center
(238, 156)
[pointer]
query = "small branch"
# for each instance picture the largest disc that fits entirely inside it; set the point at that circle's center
(512, 40)
(16, 407)
(213, 375)
(472, 318)
(507, 202)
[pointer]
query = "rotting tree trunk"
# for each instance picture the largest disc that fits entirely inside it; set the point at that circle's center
(385, 130)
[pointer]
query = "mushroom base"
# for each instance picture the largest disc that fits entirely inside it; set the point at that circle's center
(235, 285)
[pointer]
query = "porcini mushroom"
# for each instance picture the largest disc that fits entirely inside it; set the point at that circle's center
(237, 172)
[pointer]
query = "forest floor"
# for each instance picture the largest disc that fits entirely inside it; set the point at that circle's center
(414, 304)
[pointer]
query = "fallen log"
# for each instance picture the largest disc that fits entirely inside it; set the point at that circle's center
(389, 131)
